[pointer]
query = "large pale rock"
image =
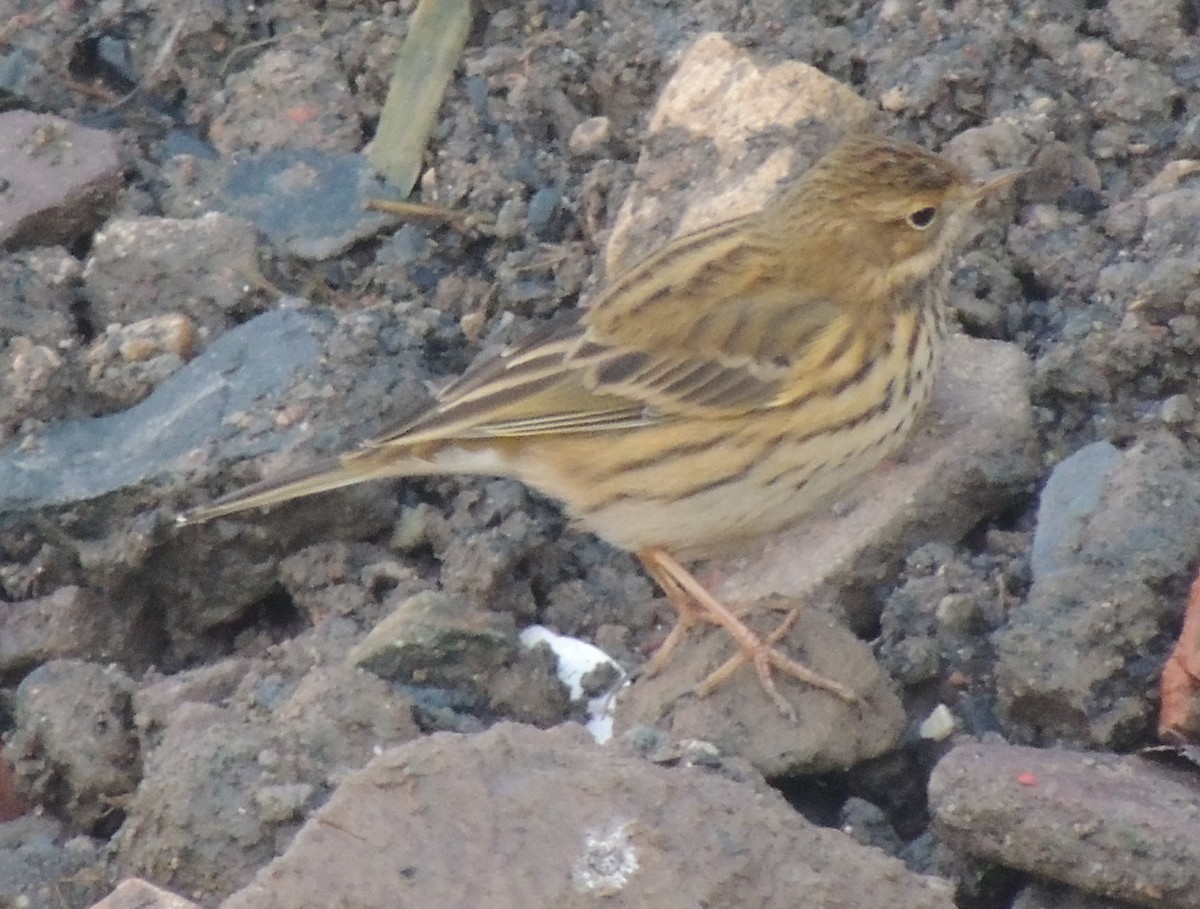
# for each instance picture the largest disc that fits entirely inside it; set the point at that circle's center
(517, 817)
(134, 893)
(726, 130)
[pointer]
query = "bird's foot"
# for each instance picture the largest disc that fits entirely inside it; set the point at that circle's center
(694, 604)
(764, 655)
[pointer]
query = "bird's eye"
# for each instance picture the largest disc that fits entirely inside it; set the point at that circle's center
(922, 217)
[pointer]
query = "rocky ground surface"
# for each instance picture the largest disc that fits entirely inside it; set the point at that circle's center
(331, 703)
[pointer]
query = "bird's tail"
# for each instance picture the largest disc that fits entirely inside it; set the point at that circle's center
(356, 467)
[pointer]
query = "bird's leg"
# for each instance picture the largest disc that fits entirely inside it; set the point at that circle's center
(687, 609)
(679, 584)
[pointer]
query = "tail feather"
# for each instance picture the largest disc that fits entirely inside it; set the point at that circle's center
(357, 467)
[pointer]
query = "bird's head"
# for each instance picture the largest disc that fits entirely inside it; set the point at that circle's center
(881, 210)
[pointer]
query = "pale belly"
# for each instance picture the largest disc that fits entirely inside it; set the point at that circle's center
(765, 501)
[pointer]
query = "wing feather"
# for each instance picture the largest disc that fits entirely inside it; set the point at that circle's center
(704, 327)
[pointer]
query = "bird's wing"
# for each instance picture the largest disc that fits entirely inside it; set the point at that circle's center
(715, 323)
(701, 328)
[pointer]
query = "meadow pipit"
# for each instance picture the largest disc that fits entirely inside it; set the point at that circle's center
(719, 390)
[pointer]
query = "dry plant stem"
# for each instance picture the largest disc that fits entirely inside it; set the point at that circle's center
(165, 51)
(437, 35)
(695, 603)
(258, 280)
(463, 222)
(305, 34)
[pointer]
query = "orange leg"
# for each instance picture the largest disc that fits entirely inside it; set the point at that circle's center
(1177, 719)
(695, 604)
(688, 612)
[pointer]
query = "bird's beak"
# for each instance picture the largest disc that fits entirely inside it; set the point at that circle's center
(997, 181)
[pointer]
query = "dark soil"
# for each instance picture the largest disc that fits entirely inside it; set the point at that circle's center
(135, 660)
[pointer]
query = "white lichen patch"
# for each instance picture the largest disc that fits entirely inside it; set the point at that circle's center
(608, 862)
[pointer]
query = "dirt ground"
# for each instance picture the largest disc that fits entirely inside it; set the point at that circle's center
(189, 320)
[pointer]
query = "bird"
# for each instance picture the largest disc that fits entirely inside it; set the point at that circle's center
(718, 391)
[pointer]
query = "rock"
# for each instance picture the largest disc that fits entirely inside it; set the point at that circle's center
(37, 338)
(1069, 499)
(77, 460)
(868, 825)
(127, 362)
(590, 136)
(240, 779)
(198, 786)
(983, 148)
(134, 893)
(435, 640)
(20, 71)
(1044, 895)
(1118, 827)
(71, 622)
(934, 626)
(43, 864)
(336, 578)
(1142, 28)
(309, 202)
(289, 98)
(705, 160)
(1078, 660)
(76, 754)
(557, 820)
(738, 717)
(1074, 663)
(141, 268)
(438, 639)
(60, 179)
(158, 699)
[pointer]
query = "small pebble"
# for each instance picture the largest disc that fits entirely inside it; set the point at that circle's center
(1177, 410)
(590, 136)
(938, 726)
(542, 207)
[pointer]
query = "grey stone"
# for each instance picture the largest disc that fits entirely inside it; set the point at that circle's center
(309, 202)
(433, 638)
(42, 864)
(1076, 662)
(1115, 826)
(74, 747)
(1069, 499)
(139, 268)
(77, 460)
(70, 622)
